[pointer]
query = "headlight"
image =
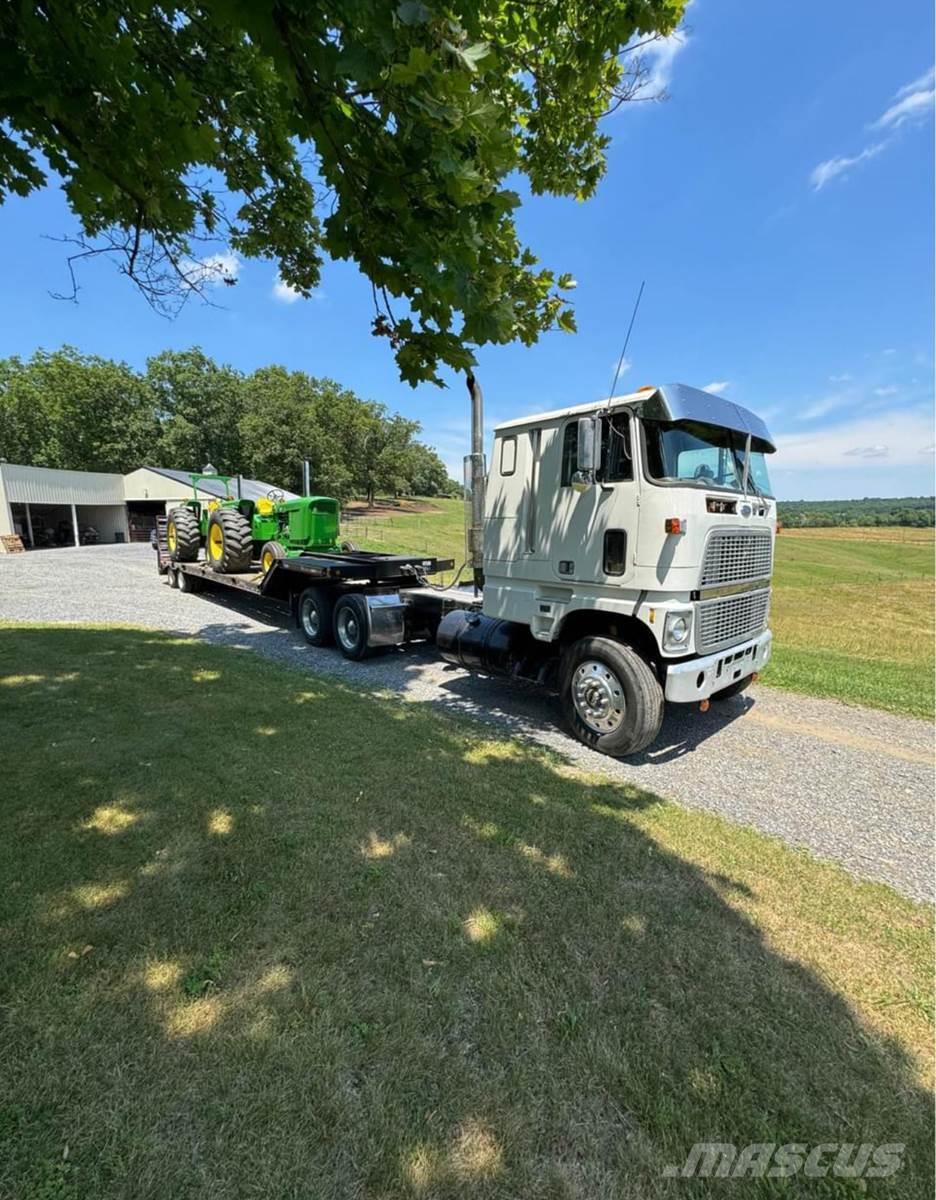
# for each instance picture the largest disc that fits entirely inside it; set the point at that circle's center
(676, 630)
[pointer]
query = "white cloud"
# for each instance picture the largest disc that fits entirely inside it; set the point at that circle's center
(823, 407)
(826, 171)
(719, 386)
(850, 445)
(889, 350)
(890, 390)
(929, 449)
(213, 271)
(843, 378)
(285, 292)
(661, 55)
(913, 102)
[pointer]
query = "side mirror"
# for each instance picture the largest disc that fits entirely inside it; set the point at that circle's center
(588, 453)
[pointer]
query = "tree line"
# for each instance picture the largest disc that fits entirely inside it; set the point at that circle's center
(917, 511)
(79, 412)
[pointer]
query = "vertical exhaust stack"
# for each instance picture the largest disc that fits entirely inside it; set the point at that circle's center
(474, 486)
(305, 477)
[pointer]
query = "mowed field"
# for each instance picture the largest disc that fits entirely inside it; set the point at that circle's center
(852, 608)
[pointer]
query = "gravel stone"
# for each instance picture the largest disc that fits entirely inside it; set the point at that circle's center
(852, 785)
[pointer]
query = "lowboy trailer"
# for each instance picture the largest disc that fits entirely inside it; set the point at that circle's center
(621, 552)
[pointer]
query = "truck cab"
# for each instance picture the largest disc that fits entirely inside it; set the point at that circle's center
(645, 523)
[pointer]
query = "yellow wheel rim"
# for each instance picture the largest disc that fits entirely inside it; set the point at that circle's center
(215, 541)
(267, 559)
(171, 537)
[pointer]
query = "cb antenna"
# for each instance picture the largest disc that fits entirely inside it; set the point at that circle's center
(626, 340)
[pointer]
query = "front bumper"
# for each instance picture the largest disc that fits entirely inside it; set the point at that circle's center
(699, 678)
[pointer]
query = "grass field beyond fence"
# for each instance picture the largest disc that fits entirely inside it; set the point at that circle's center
(852, 609)
(262, 936)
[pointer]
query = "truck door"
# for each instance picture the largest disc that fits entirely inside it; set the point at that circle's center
(592, 531)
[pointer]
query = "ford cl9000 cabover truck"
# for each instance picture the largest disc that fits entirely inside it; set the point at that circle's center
(627, 556)
(622, 554)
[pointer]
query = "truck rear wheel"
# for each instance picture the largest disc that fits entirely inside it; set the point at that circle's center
(314, 616)
(229, 545)
(611, 698)
(351, 626)
(183, 536)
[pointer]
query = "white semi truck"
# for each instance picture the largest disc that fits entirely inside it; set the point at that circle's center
(622, 554)
(627, 557)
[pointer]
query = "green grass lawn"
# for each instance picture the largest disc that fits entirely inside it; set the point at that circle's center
(263, 936)
(852, 613)
(852, 609)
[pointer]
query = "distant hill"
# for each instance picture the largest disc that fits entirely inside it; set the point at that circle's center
(911, 510)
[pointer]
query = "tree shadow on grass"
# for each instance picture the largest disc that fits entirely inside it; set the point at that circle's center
(266, 936)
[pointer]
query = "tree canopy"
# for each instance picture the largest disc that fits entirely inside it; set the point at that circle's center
(83, 413)
(372, 130)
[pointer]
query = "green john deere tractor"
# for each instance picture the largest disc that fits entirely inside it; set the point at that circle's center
(236, 532)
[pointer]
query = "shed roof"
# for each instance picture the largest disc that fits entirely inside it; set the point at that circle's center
(251, 489)
(49, 485)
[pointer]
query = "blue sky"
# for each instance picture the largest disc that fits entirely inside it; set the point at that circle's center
(779, 206)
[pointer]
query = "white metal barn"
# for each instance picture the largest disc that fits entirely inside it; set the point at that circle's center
(48, 508)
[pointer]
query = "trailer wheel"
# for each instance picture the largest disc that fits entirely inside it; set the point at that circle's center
(183, 537)
(229, 545)
(271, 553)
(172, 577)
(350, 625)
(187, 583)
(611, 698)
(314, 616)
(733, 689)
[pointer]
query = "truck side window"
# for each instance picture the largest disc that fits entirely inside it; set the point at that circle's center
(508, 456)
(617, 462)
(569, 453)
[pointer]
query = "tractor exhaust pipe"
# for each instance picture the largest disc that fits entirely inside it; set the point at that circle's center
(306, 485)
(474, 486)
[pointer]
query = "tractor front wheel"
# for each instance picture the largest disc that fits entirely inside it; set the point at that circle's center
(229, 544)
(183, 536)
(271, 553)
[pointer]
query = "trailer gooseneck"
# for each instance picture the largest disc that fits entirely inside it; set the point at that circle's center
(622, 554)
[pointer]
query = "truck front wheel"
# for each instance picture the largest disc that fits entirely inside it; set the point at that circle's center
(611, 698)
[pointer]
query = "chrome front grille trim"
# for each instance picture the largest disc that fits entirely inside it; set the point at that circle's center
(736, 555)
(731, 619)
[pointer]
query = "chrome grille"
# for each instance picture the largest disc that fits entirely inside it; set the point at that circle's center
(734, 555)
(731, 619)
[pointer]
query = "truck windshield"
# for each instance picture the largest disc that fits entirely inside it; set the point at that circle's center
(705, 455)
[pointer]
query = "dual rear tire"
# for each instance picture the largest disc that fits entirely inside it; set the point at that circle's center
(324, 621)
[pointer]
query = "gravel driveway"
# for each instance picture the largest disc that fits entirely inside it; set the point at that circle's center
(852, 785)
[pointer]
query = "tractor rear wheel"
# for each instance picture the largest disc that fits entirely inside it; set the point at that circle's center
(183, 535)
(271, 553)
(229, 544)
(314, 615)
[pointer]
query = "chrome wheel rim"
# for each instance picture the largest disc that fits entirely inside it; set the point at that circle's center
(347, 629)
(310, 619)
(598, 697)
